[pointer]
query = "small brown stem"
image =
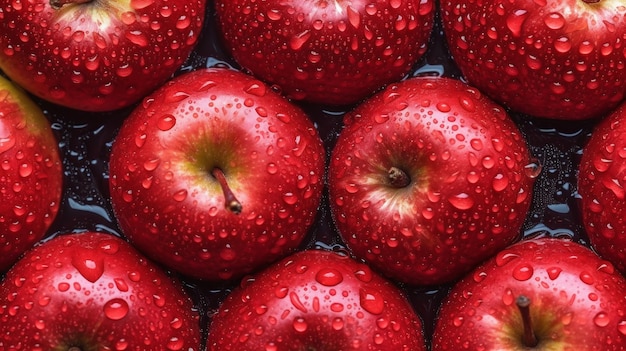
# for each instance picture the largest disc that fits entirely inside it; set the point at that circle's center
(57, 4)
(528, 338)
(230, 200)
(398, 178)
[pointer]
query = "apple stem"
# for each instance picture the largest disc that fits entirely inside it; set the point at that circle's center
(528, 338)
(398, 178)
(230, 201)
(57, 4)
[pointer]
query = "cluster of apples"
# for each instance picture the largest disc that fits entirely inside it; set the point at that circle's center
(320, 165)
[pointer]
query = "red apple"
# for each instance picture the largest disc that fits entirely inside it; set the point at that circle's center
(93, 291)
(215, 175)
(31, 177)
(541, 294)
(328, 52)
(427, 179)
(96, 55)
(560, 59)
(601, 180)
(316, 300)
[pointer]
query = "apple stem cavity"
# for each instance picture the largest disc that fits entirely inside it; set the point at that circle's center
(230, 200)
(57, 4)
(398, 178)
(528, 338)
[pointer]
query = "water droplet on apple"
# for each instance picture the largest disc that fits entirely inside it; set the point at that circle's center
(500, 182)
(116, 309)
(281, 292)
(124, 70)
(601, 319)
(554, 20)
(505, 257)
(621, 327)
(166, 122)
(337, 323)
(515, 21)
(91, 268)
(140, 4)
(296, 302)
(175, 344)
(300, 325)
(364, 274)
(290, 198)
(371, 301)
(523, 272)
(329, 277)
(554, 272)
(562, 44)
(137, 37)
(298, 40)
(183, 22)
(7, 142)
(461, 201)
(257, 89)
(586, 278)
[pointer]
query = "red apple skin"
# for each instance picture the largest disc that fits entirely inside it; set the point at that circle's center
(171, 207)
(93, 291)
(468, 191)
(327, 52)
(31, 177)
(559, 59)
(601, 177)
(316, 300)
(577, 301)
(96, 55)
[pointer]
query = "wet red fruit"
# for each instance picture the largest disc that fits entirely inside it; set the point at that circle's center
(215, 175)
(328, 52)
(428, 179)
(601, 180)
(96, 55)
(31, 178)
(316, 300)
(575, 300)
(559, 59)
(93, 291)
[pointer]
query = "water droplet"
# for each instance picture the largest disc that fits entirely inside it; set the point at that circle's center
(554, 21)
(116, 309)
(257, 89)
(515, 21)
(299, 40)
(329, 276)
(500, 182)
(505, 257)
(461, 201)
(290, 198)
(140, 4)
(175, 344)
(88, 264)
(371, 301)
(300, 325)
(621, 327)
(183, 22)
(601, 319)
(137, 37)
(523, 272)
(586, 278)
(554, 272)
(562, 45)
(295, 301)
(166, 122)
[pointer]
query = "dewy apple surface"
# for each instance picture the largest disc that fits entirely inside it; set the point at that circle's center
(85, 140)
